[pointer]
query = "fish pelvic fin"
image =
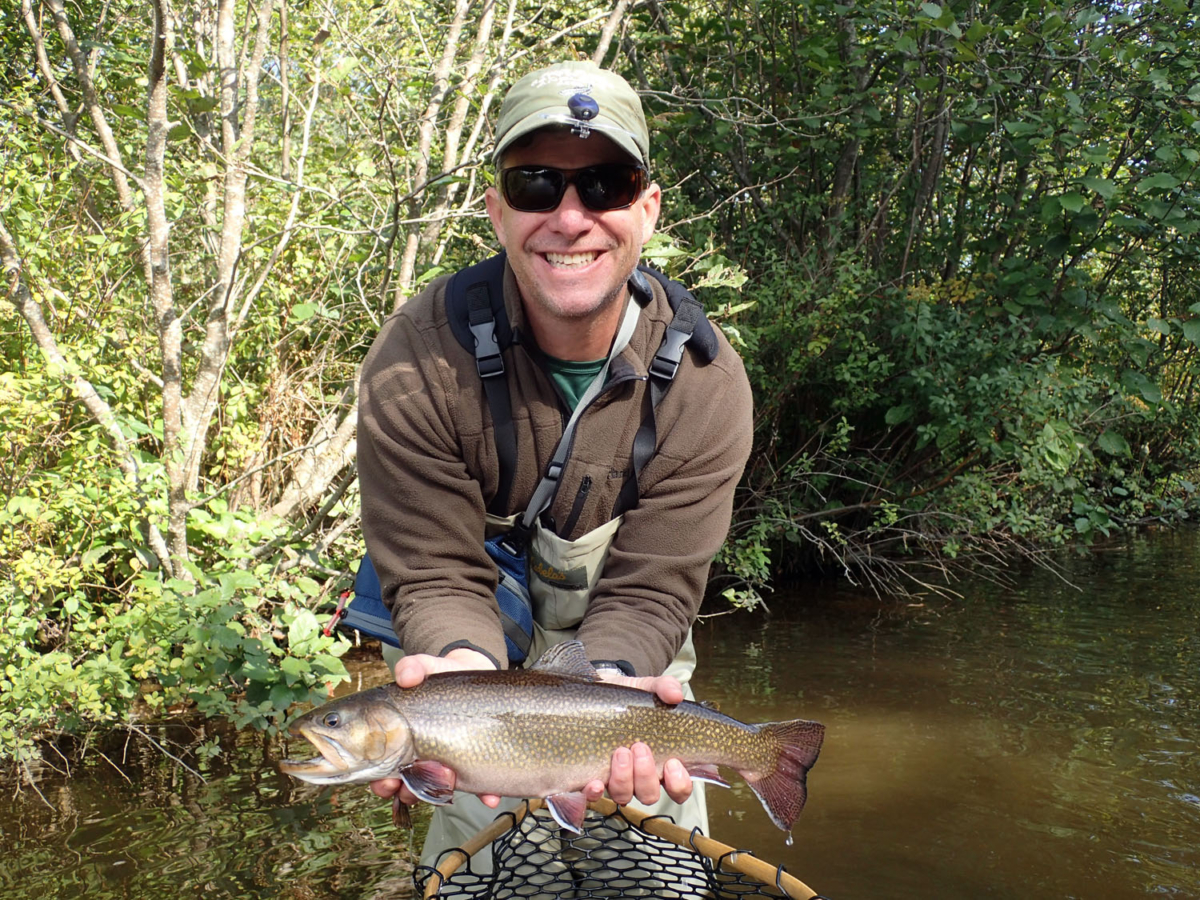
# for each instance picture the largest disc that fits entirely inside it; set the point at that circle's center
(707, 773)
(568, 810)
(784, 790)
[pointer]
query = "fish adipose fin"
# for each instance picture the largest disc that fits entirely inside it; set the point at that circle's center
(567, 658)
(784, 791)
(429, 780)
(568, 810)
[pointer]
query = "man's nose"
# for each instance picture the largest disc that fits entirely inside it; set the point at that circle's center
(571, 216)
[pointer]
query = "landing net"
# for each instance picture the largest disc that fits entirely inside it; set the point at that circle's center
(621, 853)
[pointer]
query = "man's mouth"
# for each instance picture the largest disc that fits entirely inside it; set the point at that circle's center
(570, 260)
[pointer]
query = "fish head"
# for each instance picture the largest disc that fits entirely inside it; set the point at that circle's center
(361, 738)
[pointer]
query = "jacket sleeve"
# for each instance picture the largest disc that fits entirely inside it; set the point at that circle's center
(657, 568)
(422, 513)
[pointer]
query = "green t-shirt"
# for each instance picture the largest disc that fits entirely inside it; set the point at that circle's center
(572, 378)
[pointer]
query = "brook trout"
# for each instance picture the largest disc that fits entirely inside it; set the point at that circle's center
(545, 732)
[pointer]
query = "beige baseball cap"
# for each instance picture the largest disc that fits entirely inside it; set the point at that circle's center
(580, 95)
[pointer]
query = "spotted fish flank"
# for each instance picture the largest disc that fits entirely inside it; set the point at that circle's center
(544, 732)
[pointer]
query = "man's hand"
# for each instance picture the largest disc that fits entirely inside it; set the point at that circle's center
(633, 772)
(410, 672)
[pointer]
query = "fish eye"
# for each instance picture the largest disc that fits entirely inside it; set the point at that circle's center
(332, 720)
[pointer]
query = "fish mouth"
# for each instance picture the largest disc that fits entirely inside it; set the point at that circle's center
(337, 764)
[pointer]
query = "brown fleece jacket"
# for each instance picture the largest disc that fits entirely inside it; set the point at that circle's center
(427, 468)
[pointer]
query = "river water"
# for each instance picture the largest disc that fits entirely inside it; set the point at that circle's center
(1038, 740)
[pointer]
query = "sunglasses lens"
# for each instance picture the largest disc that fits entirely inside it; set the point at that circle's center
(601, 188)
(609, 187)
(530, 189)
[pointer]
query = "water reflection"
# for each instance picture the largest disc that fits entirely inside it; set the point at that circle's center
(1038, 739)
(1034, 741)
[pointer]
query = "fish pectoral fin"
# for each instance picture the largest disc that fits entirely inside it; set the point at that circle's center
(429, 780)
(568, 810)
(708, 773)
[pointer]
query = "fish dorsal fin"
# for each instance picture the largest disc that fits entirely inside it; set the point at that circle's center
(567, 658)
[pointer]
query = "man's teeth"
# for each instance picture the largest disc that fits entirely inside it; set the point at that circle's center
(569, 259)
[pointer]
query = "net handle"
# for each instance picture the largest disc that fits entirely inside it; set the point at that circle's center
(739, 860)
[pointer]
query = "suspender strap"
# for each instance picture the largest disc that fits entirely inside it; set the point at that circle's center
(543, 495)
(490, 363)
(663, 369)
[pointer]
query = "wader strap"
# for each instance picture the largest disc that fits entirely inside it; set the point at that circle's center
(663, 369)
(490, 363)
(543, 495)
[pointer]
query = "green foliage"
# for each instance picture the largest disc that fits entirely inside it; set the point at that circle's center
(970, 236)
(93, 632)
(956, 246)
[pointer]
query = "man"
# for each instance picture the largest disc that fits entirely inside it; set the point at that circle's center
(619, 556)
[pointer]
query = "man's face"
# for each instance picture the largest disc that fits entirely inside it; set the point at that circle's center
(571, 262)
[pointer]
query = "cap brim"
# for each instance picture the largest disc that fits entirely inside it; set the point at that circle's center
(546, 119)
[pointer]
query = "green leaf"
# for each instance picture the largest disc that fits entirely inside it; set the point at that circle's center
(238, 580)
(1136, 381)
(293, 668)
(1163, 181)
(1191, 330)
(898, 414)
(1072, 202)
(1102, 186)
(932, 10)
(282, 696)
(1113, 443)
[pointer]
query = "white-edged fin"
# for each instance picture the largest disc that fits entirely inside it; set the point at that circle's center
(707, 773)
(567, 658)
(568, 810)
(429, 781)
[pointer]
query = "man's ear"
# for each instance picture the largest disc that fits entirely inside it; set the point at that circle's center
(651, 203)
(495, 211)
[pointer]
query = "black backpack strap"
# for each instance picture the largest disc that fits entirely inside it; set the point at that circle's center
(475, 310)
(689, 326)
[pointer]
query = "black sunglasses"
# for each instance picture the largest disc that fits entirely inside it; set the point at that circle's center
(601, 188)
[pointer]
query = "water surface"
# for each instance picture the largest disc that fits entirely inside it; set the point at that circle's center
(1038, 740)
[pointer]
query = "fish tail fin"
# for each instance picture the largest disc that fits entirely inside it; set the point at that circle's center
(783, 790)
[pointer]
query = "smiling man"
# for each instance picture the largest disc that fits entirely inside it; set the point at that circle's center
(557, 415)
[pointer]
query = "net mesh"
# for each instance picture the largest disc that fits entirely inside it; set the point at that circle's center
(535, 858)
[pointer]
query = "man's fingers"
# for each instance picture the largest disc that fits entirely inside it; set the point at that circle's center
(411, 671)
(646, 786)
(668, 689)
(620, 778)
(385, 787)
(676, 781)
